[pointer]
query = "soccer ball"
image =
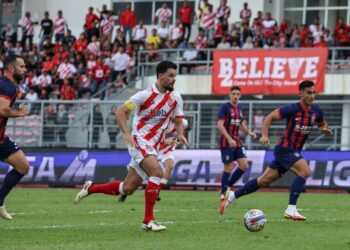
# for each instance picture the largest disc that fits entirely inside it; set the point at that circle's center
(254, 220)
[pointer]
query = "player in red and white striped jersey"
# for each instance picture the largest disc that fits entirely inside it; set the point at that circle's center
(153, 110)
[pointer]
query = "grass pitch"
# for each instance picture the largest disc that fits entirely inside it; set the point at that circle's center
(48, 219)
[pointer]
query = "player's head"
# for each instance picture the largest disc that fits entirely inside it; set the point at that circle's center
(166, 74)
(307, 92)
(235, 94)
(16, 67)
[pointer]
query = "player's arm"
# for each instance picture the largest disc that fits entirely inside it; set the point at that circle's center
(122, 114)
(243, 127)
(273, 116)
(324, 129)
(180, 131)
(6, 111)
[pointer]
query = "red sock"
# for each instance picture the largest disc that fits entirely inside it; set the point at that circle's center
(111, 188)
(150, 199)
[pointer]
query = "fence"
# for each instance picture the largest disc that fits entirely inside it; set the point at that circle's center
(338, 62)
(92, 124)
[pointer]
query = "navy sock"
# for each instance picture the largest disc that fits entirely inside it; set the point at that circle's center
(10, 181)
(250, 187)
(235, 176)
(295, 190)
(224, 181)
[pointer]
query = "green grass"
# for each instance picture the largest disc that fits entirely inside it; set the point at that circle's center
(48, 219)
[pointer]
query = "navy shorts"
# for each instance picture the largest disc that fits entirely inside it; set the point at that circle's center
(229, 155)
(7, 148)
(284, 159)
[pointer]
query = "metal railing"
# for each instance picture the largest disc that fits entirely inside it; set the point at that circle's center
(91, 124)
(337, 60)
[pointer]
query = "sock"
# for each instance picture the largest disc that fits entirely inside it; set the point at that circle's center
(295, 190)
(250, 187)
(163, 182)
(10, 181)
(121, 189)
(224, 181)
(151, 197)
(235, 176)
(111, 188)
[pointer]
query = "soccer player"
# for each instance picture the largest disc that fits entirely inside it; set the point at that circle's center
(229, 122)
(301, 117)
(165, 155)
(153, 109)
(10, 152)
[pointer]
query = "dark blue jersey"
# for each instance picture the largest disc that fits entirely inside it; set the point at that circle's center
(8, 90)
(232, 117)
(299, 123)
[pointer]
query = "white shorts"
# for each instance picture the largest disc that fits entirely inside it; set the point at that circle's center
(133, 164)
(163, 157)
(144, 148)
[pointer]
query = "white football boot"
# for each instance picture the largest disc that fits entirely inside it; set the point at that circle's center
(293, 215)
(83, 192)
(153, 226)
(4, 213)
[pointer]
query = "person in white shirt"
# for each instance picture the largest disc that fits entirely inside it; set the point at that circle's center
(163, 31)
(224, 44)
(121, 62)
(189, 55)
(140, 33)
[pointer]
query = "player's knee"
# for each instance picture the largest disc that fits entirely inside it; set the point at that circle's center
(264, 182)
(157, 173)
(305, 173)
(128, 189)
(243, 167)
(24, 169)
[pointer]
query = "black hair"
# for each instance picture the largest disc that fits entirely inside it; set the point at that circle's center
(236, 88)
(306, 84)
(163, 66)
(11, 60)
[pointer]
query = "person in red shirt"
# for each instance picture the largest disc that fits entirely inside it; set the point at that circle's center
(185, 15)
(90, 19)
(342, 40)
(322, 43)
(48, 64)
(127, 22)
(67, 91)
(80, 45)
(99, 74)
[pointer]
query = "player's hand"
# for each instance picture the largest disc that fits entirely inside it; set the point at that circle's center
(264, 140)
(252, 135)
(23, 110)
(326, 131)
(182, 139)
(232, 143)
(129, 141)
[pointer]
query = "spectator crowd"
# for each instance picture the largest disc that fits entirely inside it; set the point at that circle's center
(65, 67)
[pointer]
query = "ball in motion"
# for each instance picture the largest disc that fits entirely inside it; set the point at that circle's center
(254, 220)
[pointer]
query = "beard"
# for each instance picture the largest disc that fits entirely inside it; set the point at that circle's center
(18, 77)
(169, 88)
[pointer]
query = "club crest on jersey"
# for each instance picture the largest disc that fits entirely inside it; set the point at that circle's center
(296, 154)
(313, 118)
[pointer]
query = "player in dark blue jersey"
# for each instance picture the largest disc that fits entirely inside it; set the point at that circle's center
(300, 118)
(229, 122)
(10, 153)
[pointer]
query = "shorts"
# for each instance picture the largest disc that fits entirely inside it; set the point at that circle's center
(228, 155)
(133, 164)
(143, 149)
(163, 157)
(7, 148)
(284, 159)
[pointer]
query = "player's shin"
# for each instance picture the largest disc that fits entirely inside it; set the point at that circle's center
(295, 190)
(111, 188)
(224, 181)
(10, 181)
(151, 197)
(250, 187)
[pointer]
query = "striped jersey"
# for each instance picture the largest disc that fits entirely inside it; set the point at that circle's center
(8, 90)
(153, 113)
(299, 123)
(232, 115)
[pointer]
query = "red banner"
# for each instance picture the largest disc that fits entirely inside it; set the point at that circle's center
(263, 71)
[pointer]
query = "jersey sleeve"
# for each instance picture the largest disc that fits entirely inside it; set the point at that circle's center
(320, 121)
(7, 92)
(286, 111)
(139, 98)
(222, 113)
(178, 111)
